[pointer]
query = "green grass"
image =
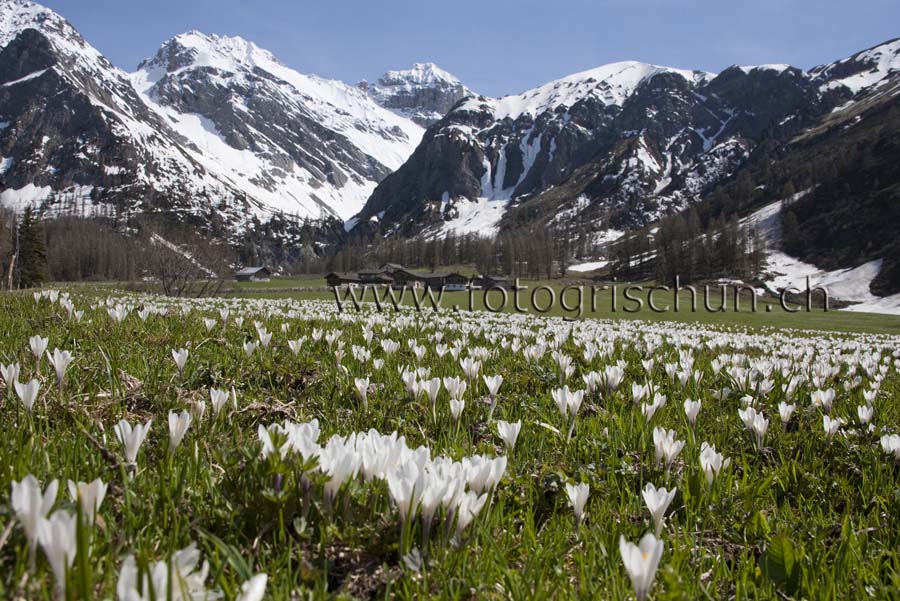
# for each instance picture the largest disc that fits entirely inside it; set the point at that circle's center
(599, 305)
(280, 283)
(806, 517)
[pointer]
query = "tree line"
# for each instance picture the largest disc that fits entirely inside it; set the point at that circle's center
(525, 253)
(680, 245)
(169, 256)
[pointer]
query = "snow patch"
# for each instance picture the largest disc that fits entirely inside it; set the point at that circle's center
(476, 217)
(592, 266)
(851, 285)
(28, 196)
(34, 75)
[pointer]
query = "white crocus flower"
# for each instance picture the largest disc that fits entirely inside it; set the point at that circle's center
(578, 496)
(89, 495)
(218, 399)
(31, 507)
(785, 411)
(253, 589)
(470, 367)
(10, 374)
(178, 427)
(60, 361)
(639, 392)
(38, 346)
(691, 409)
(568, 403)
(666, 446)
(180, 356)
(456, 387)
(132, 438)
(57, 538)
(183, 574)
(613, 374)
(493, 386)
(28, 393)
(823, 399)
(658, 501)
(456, 408)
(865, 413)
(509, 432)
(712, 462)
(362, 389)
(831, 426)
(890, 444)
(641, 562)
(469, 506)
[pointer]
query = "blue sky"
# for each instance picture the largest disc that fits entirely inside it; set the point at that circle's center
(497, 47)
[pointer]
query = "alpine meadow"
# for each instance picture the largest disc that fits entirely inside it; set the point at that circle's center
(503, 333)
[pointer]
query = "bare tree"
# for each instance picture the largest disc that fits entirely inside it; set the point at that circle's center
(8, 247)
(184, 263)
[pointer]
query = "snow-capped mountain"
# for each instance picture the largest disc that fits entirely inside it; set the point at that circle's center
(298, 143)
(424, 93)
(76, 137)
(211, 129)
(611, 148)
(217, 132)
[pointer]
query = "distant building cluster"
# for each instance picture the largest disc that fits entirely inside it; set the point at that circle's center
(397, 276)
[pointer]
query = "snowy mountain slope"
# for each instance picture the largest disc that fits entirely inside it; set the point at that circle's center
(211, 130)
(637, 141)
(610, 84)
(80, 140)
(424, 93)
(616, 147)
(851, 284)
(301, 144)
(863, 71)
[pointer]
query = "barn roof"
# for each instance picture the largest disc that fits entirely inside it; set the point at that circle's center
(251, 270)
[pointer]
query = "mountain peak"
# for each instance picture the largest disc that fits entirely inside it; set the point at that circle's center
(16, 15)
(19, 15)
(423, 93)
(420, 73)
(197, 49)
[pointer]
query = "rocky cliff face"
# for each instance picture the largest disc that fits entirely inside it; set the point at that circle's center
(423, 94)
(608, 149)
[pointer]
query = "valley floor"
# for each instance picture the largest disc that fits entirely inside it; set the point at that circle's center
(769, 313)
(278, 448)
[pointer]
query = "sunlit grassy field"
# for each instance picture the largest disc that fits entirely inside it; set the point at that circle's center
(600, 305)
(312, 453)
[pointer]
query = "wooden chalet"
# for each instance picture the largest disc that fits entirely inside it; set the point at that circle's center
(253, 274)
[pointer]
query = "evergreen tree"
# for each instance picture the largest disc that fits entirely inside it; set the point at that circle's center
(790, 233)
(32, 252)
